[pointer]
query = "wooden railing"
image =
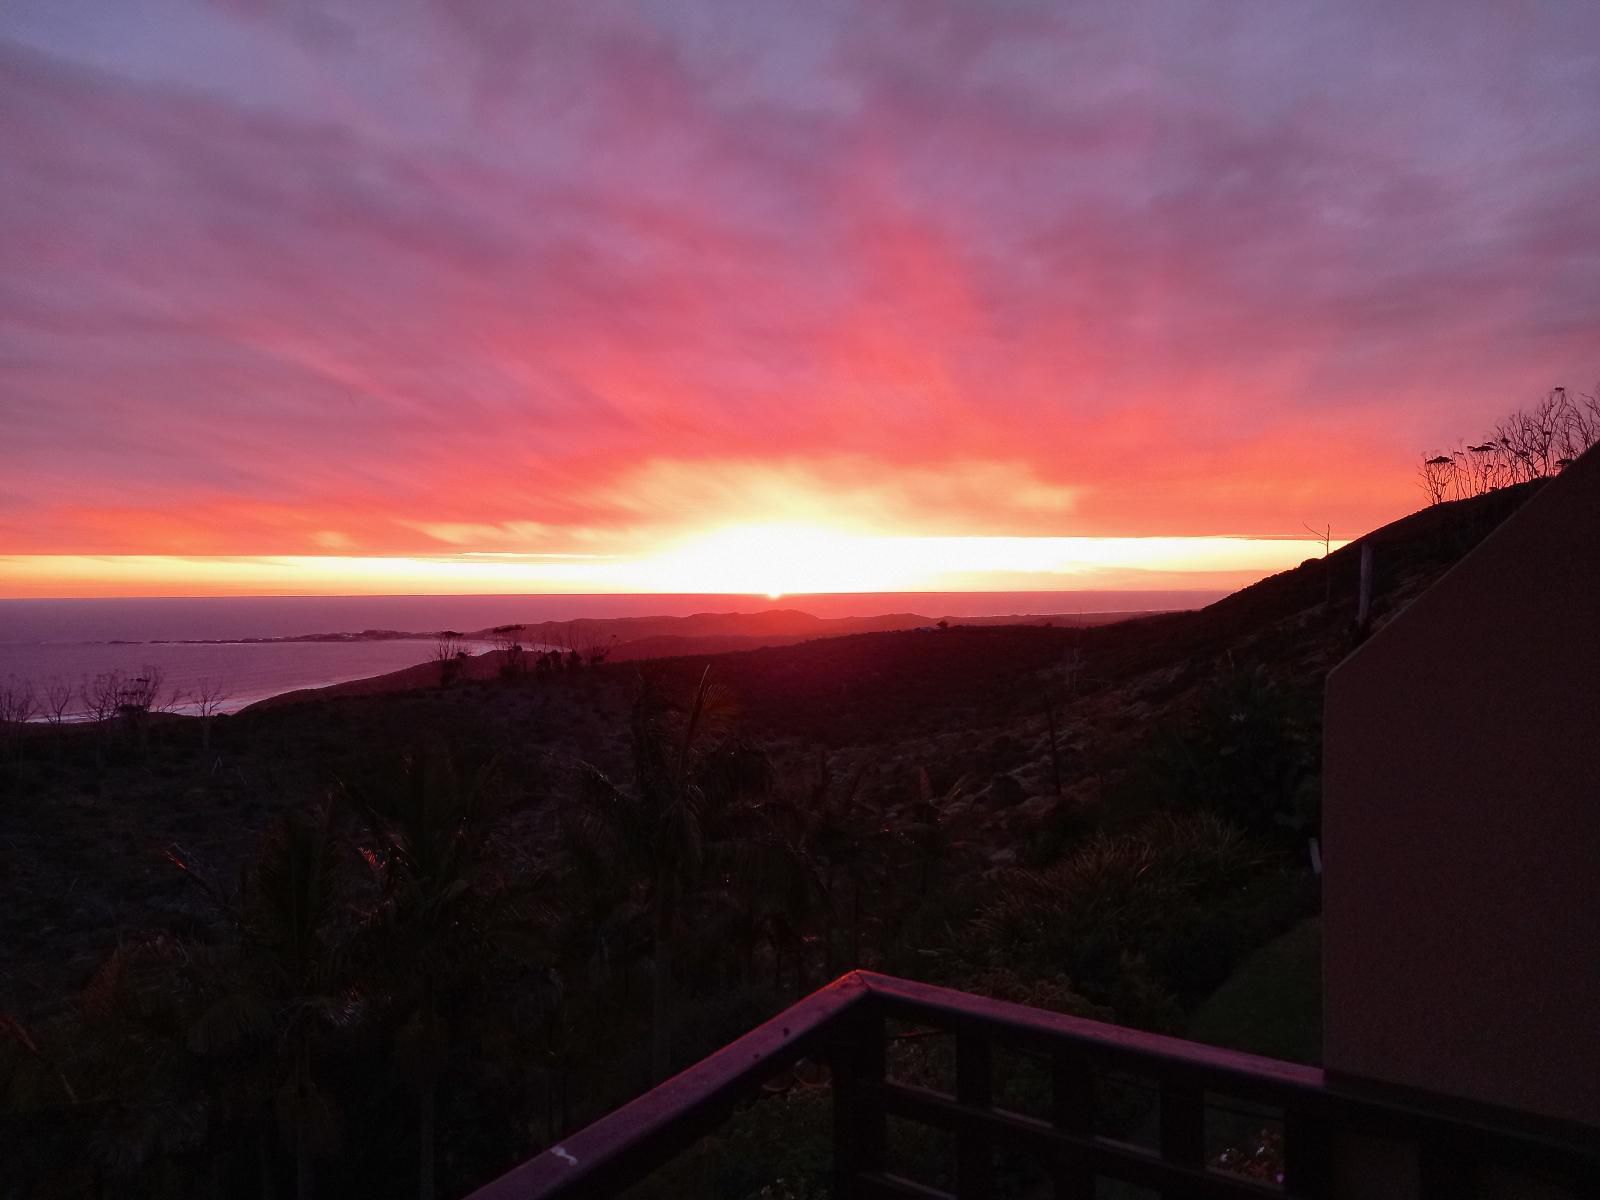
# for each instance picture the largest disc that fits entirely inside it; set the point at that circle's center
(1329, 1127)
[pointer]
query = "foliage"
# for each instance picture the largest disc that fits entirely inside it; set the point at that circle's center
(1532, 443)
(775, 1148)
(1139, 922)
(1248, 751)
(454, 916)
(469, 949)
(209, 1041)
(1272, 1005)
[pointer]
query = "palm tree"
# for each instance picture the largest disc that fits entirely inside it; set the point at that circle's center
(933, 833)
(849, 836)
(828, 839)
(249, 1012)
(452, 904)
(656, 832)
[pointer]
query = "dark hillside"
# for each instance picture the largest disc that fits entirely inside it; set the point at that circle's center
(1107, 821)
(866, 687)
(1408, 554)
(870, 686)
(83, 843)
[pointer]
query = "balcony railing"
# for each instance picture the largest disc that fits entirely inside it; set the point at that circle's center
(1334, 1132)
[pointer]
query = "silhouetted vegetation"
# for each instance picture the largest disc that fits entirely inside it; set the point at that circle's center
(395, 944)
(1532, 443)
(1247, 750)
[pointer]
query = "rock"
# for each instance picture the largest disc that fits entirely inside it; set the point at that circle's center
(1036, 808)
(1004, 792)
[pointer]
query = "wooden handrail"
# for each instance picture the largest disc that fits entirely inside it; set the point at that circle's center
(844, 1021)
(627, 1144)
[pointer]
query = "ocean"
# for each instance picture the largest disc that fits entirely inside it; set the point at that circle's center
(190, 639)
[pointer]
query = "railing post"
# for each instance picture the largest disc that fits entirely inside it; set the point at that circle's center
(859, 1124)
(1183, 1127)
(1444, 1171)
(975, 1088)
(1307, 1158)
(1072, 1112)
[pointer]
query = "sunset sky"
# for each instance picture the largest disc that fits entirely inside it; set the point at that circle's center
(398, 296)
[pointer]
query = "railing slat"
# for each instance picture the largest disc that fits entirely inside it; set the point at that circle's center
(1072, 1113)
(1113, 1160)
(1454, 1139)
(974, 1089)
(1307, 1157)
(1444, 1172)
(1114, 1047)
(857, 1058)
(629, 1143)
(1183, 1132)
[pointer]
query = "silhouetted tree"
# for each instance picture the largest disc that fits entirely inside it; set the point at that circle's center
(513, 659)
(57, 700)
(1438, 476)
(140, 695)
(100, 695)
(838, 842)
(933, 832)
(449, 911)
(209, 697)
(197, 1035)
(18, 705)
(1531, 443)
(655, 831)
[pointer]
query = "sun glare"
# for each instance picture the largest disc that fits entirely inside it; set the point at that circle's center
(771, 560)
(781, 559)
(774, 560)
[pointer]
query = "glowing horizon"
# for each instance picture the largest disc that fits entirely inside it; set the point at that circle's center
(750, 561)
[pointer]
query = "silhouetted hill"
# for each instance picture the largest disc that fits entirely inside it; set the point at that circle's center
(629, 638)
(91, 811)
(626, 639)
(1407, 555)
(866, 686)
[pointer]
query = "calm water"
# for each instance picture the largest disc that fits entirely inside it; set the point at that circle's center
(41, 640)
(246, 671)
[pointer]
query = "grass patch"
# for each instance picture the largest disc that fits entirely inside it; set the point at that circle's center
(1272, 1004)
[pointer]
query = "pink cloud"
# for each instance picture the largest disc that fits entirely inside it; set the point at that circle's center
(604, 274)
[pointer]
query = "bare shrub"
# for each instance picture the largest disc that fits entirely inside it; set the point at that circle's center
(209, 697)
(18, 704)
(1438, 477)
(140, 694)
(513, 659)
(594, 651)
(1531, 443)
(449, 651)
(100, 695)
(56, 701)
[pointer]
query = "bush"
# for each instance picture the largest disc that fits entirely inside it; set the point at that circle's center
(1248, 751)
(1143, 923)
(775, 1148)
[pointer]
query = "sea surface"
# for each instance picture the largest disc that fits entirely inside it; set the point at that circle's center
(190, 639)
(244, 671)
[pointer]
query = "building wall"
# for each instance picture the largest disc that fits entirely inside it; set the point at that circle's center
(1461, 824)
